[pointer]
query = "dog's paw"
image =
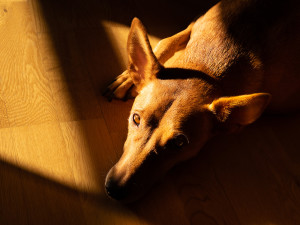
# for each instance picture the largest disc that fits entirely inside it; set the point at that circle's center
(121, 88)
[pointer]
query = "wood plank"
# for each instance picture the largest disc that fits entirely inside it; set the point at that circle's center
(90, 153)
(38, 148)
(25, 91)
(73, 94)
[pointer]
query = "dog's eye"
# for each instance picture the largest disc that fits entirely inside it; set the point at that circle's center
(136, 119)
(179, 141)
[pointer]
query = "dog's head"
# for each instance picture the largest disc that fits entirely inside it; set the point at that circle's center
(174, 114)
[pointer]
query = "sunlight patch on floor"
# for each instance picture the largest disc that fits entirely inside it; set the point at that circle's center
(117, 35)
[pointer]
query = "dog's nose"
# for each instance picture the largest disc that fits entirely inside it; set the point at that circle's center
(114, 190)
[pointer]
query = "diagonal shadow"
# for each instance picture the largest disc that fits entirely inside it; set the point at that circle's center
(31, 192)
(88, 62)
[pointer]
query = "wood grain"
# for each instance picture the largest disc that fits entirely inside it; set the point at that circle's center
(25, 91)
(59, 136)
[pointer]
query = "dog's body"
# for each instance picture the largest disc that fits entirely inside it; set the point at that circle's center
(216, 76)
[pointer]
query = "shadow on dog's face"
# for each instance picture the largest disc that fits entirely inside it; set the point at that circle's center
(169, 123)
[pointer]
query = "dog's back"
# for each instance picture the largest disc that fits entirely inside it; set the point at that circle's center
(250, 46)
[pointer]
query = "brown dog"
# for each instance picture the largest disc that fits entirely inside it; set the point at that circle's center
(218, 75)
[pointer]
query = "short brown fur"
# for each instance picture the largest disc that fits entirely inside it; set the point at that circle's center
(218, 75)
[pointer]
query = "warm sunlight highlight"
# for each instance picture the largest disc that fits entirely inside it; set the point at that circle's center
(117, 35)
(59, 136)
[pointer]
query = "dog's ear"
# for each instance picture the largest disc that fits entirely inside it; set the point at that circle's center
(143, 65)
(240, 110)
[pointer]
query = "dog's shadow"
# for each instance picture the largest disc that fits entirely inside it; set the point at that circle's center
(252, 177)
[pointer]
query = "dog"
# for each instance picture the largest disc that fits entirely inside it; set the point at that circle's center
(220, 74)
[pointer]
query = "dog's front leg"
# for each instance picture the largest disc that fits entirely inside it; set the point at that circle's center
(121, 88)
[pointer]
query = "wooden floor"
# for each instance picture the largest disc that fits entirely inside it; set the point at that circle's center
(59, 136)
